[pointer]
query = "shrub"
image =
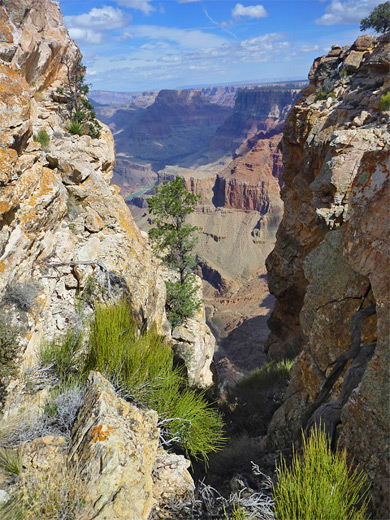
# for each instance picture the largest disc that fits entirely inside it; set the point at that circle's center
(94, 128)
(141, 367)
(58, 494)
(10, 461)
(319, 484)
(182, 301)
(75, 128)
(9, 348)
(267, 384)
(43, 138)
(238, 513)
(23, 295)
(384, 103)
(58, 418)
(64, 354)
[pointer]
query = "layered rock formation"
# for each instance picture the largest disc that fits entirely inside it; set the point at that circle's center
(255, 110)
(176, 129)
(329, 270)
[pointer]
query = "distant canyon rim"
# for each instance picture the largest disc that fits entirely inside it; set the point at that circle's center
(224, 142)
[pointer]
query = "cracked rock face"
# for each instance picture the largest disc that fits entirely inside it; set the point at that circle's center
(331, 255)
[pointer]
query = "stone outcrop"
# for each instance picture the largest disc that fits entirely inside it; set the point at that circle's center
(114, 444)
(113, 467)
(331, 261)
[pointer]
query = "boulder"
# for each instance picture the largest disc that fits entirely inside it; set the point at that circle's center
(114, 445)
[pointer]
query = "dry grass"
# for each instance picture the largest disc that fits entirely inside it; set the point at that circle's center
(58, 494)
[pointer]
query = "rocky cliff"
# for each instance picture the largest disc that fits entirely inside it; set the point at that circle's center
(329, 270)
(255, 110)
(66, 235)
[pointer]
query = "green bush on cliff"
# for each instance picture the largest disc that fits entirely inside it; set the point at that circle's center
(79, 108)
(43, 138)
(384, 103)
(320, 484)
(141, 367)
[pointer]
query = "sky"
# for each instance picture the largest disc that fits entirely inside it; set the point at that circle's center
(138, 45)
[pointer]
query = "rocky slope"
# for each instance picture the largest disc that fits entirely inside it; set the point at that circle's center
(329, 270)
(66, 233)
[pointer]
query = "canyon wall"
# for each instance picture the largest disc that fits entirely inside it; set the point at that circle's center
(329, 270)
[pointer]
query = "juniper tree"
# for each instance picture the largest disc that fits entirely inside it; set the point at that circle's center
(80, 109)
(174, 240)
(378, 19)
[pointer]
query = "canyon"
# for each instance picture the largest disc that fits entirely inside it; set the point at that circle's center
(294, 193)
(235, 168)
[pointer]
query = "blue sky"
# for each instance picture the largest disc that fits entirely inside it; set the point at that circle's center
(134, 45)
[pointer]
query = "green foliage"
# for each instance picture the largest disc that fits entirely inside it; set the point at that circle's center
(320, 485)
(384, 103)
(182, 301)
(43, 138)
(75, 128)
(79, 108)
(268, 385)
(324, 94)
(174, 241)
(65, 354)
(10, 461)
(379, 19)
(141, 366)
(9, 347)
(94, 128)
(57, 494)
(238, 513)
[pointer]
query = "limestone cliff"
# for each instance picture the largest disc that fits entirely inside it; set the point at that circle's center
(331, 259)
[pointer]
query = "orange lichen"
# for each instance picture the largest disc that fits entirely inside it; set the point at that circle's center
(99, 435)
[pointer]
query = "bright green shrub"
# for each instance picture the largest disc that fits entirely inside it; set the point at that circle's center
(75, 128)
(64, 354)
(141, 366)
(320, 485)
(43, 138)
(384, 103)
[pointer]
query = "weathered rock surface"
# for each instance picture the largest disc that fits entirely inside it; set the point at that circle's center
(331, 257)
(114, 444)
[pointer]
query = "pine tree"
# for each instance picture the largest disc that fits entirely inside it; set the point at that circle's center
(173, 241)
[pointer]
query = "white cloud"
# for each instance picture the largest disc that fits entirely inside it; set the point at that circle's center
(124, 37)
(252, 11)
(141, 5)
(82, 35)
(309, 48)
(342, 12)
(104, 18)
(187, 39)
